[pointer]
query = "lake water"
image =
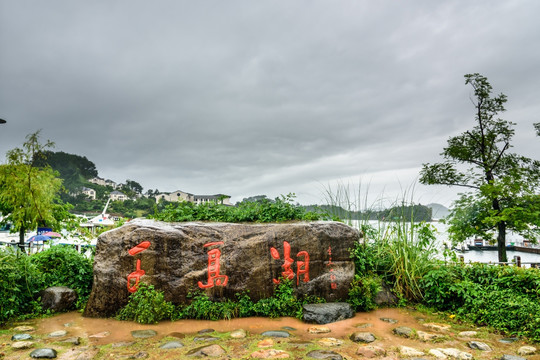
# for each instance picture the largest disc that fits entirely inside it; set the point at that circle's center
(484, 256)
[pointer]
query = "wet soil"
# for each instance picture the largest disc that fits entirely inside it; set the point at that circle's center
(112, 339)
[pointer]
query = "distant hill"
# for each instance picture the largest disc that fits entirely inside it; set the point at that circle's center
(415, 212)
(438, 211)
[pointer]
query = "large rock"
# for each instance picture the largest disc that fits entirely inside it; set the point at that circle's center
(220, 259)
(327, 312)
(58, 298)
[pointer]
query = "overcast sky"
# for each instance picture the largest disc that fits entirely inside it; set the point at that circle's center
(264, 97)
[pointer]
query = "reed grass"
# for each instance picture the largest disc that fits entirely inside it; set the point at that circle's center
(397, 249)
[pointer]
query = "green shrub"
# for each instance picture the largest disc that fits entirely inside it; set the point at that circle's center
(505, 298)
(279, 210)
(203, 308)
(363, 291)
(284, 302)
(146, 306)
(20, 285)
(64, 266)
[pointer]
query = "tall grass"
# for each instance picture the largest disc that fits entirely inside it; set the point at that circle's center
(396, 248)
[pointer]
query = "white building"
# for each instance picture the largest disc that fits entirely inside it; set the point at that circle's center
(91, 193)
(180, 195)
(118, 196)
(103, 182)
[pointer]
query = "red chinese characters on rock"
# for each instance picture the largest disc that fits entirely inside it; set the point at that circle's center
(136, 275)
(333, 285)
(302, 267)
(214, 277)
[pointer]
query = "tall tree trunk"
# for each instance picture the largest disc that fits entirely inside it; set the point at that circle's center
(501, 233)
(22, 232)
(501, 241)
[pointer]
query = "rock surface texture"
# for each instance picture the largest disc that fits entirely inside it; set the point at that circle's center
(58, 298)
(327, 312)
(221, 259)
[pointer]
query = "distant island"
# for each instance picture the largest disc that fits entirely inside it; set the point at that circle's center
(438, 211)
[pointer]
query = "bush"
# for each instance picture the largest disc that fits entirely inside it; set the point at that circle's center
(202, 308)
(146, 306)
(284, 302)
(64, 266)
(505, 298)
(363, 291)
(20, 286)
(279, 210)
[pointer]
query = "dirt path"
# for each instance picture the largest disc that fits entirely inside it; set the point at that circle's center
(112, 339)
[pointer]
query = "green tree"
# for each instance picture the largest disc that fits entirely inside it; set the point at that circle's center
(131, 188)
(73, 169)
(503, 186)
(537, 128)
(29, 194)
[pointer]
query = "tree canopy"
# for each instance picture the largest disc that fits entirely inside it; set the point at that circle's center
(29, 194)
(503, 186)
(74, 169)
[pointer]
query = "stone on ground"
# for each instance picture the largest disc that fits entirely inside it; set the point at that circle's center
(404, 331)
(19, 345)
(74, 340)
(23, 328)
(362, 337)
(206, 331)
(205, 338)
(424, 336)
(238, 334)
(327, 313)
(526, 350)
(276, 333)
(512, 357)
(209, 350)
(437, 353)
(270, 354)
(478, 345)
(370, 351)
(437, 327)
(330, 342)
(468, 333)
(455, 353)
(44, 353)
(172, 345)
(21, 337)
(318, 330)
(58, 298)
(100, 335)
(58, 333)
(324, 354)
(143, 334)
(265, 343)
(409, 351)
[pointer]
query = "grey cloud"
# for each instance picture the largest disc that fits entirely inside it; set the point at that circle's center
(259, 96)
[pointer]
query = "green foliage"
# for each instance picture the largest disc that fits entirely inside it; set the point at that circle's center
(504, 185)
(363, 291)
(28, 194)
(279, 210)
(146, 306)
(203, 308)
(73, 169)
(401, 253)
(505, 298)
(64, 266)
(20, 286)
